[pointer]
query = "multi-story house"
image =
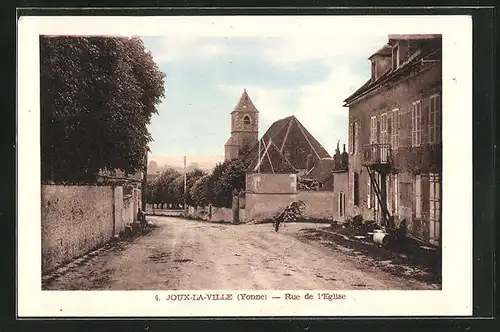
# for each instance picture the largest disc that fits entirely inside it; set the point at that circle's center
(395, 144)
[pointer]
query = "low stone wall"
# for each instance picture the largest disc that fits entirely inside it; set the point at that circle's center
(218, 213)
(319, 204)
(265, 206)
(128, 213)
(76, 219)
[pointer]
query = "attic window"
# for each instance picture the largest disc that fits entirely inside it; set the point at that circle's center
(246, 120)
(374, 70)
(395, 57)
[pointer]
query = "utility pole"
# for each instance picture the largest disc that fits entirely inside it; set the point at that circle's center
(185, 188)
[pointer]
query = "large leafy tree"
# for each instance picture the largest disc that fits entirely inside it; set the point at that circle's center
(191, 178)
(97, 97)
(165, 186)
(226, 178)
(200, 192)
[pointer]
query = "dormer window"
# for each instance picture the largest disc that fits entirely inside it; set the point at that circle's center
(395, 57)
(374, 70)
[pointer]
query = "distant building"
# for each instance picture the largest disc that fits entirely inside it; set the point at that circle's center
(244, 127)
(294, 142)
(286, 152)
(271, 183)
(395, 144)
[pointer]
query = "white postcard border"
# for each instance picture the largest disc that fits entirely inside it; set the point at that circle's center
(455, 298)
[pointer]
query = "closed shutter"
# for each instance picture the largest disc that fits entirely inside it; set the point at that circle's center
(351, 148)
(418, 196)
(369, 192)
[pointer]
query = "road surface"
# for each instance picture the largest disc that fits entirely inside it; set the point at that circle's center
(185, 254)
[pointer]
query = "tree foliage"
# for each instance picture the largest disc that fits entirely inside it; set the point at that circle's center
(227, 177)
(164, 186)
(202, 188)
(97, 97)
(200, 192)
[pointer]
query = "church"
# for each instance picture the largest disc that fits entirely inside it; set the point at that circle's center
(286, 153)
(293, 141)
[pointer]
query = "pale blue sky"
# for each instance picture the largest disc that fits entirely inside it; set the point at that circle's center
(283, 76)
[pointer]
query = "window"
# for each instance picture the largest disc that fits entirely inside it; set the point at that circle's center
(395, 129)
(434, 196)
(435, 119)
(341, 205)
(351, 148)
(416, 123)
(418, 196)
(395, 57)
(373, 132)
(374, 70)
(435, 205)
(369, 192)
(246, 120)
(356, 189)
(383, 129)
(353, 137)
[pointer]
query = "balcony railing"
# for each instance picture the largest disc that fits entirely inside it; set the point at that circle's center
(376, 154)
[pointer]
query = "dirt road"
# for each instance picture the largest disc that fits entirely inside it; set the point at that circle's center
(183, 254)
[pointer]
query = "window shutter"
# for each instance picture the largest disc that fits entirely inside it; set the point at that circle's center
(418, 196)
(438, 119)
(356, 135)
(432, 115)
(350, 139)
(369, 193)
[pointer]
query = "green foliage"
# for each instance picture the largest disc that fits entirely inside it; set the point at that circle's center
(226, 178)
(200, 192)
(191, 178)
(202, 188)
(97, 97)
(164, 187)
(152, 196)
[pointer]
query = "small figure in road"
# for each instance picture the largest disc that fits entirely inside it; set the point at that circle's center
(141, 216)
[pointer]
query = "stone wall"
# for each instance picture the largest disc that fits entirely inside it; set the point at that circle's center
(218, 213)
(77, 219)
(267, 194)
(128, 212)
(264, 206)
(319, 204)
(340, 187)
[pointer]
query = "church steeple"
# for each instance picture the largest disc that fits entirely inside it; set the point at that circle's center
(245, 104)
(244, 126)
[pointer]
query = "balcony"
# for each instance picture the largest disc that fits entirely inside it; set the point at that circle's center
(377, 155)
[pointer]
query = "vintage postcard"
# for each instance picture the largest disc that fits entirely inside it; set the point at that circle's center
(195, 166)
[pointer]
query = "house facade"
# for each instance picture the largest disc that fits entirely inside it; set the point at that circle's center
(395, 144)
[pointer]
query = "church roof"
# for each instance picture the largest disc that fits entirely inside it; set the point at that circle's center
(295, 142)
(245, 104)
(270, 160)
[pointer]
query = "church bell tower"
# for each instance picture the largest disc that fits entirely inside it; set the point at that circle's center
(244, 127)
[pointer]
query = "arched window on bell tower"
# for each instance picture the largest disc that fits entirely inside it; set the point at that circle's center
(246, 122)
